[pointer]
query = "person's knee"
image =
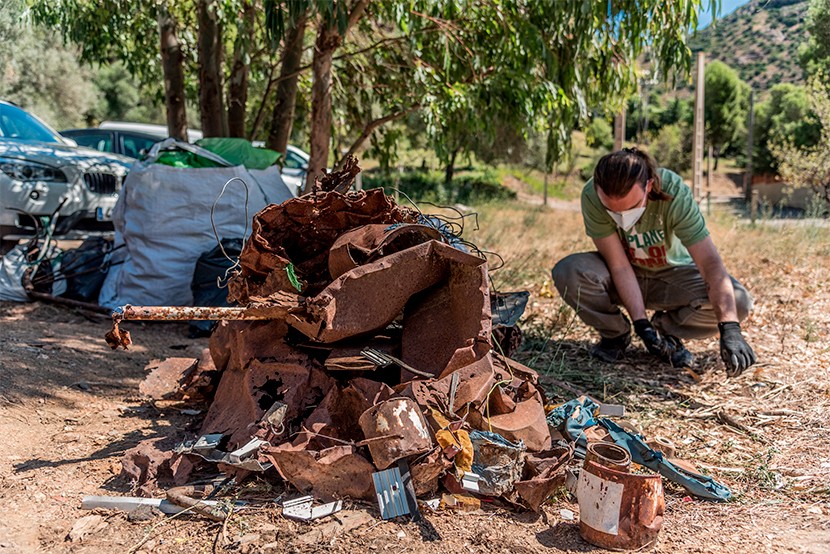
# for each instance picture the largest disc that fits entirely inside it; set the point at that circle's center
(566, 274)
(743, 303)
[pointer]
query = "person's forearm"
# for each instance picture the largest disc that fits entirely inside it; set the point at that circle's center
(721, 295)
(629, 291)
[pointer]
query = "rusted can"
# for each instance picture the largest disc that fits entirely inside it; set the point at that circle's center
(400, 430)
(609, 455)
(619, 510)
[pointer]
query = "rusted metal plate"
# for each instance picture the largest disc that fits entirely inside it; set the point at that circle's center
(330, 474)
(619, 510)
(366, 244)
(167, 377)
(402, 421)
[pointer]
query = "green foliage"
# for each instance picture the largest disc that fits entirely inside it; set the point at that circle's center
(672, 147)
(474, 188)
(39, 73)
(599, 134)
(785, 116)
(814, 53)
(808, 166)
(725, 106)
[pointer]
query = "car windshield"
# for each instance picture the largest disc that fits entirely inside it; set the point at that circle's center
(17, 124)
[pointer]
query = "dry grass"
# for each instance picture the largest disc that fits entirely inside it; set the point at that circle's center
(765, 433)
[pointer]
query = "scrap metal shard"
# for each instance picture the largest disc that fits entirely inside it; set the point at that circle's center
(329, 474)
(166, 377)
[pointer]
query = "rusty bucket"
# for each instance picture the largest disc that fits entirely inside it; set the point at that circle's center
(609, 455)
(395, 429)
(619, 510)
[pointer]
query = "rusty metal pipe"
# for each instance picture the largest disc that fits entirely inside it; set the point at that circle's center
(187, 313)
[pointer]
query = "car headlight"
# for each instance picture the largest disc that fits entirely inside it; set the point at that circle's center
(31, 171)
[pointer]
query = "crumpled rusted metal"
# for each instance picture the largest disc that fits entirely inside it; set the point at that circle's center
(329, 474)
(245, 393)
(301, 231)
(366, 244)
(370, 278)
(145, 463)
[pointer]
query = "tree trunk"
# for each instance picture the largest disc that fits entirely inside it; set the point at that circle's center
(283, 117)
(717, 157)
(238, 82)
(172, 61)
(211, 103)
(328, 40)
(449, 171)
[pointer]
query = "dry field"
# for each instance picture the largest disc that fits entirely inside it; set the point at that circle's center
(69, 409)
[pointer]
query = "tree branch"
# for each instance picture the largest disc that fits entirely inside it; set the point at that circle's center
(371, 127)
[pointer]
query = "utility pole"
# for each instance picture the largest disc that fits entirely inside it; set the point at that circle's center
(749, 149)
(697, 137)
(619, 130)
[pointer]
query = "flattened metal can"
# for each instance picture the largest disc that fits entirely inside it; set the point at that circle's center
(400, 430)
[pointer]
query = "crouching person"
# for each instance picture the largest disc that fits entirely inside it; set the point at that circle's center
(653, 253)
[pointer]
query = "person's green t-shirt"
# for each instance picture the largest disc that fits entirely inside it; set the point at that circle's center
(659, 239)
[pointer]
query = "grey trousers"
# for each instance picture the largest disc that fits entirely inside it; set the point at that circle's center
(677, 294)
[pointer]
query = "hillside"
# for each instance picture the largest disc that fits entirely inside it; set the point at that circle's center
(760, 40)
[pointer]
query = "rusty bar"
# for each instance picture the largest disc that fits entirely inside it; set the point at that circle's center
(186, 313)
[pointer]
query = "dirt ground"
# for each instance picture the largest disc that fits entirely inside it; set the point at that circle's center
(69, 408)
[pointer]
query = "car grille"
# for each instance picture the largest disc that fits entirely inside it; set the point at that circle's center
(102, 183)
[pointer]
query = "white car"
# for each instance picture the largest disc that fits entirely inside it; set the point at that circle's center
(39, 170)
(294, 169)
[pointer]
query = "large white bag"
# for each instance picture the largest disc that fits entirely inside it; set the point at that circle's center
(163, 218)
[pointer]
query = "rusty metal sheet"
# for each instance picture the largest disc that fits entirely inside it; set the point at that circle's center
(166, 377)
(368, 243)
(145, 463)
(448, 326)
(401, 420)
(337, 414)
(301, 231)
(370, 297)
(330, 474)
(619, 510)
(526, 423)
(244, 395)
(547, 463)
(534, 492)
(427, 471)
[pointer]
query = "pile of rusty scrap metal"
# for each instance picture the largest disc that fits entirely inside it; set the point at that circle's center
(359, 362)
(362, 338)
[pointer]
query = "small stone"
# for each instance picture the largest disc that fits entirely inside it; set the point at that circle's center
(567, 515)
(401, 534)
(141, 514)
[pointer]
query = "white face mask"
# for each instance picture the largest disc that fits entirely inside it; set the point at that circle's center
(627, 219)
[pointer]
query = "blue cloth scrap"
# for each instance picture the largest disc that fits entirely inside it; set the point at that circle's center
(694, 483)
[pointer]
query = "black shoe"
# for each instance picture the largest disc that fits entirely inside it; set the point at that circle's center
(680, 357)
(611, 350)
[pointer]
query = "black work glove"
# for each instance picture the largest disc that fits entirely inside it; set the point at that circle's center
(652, 340)
(736, 353)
